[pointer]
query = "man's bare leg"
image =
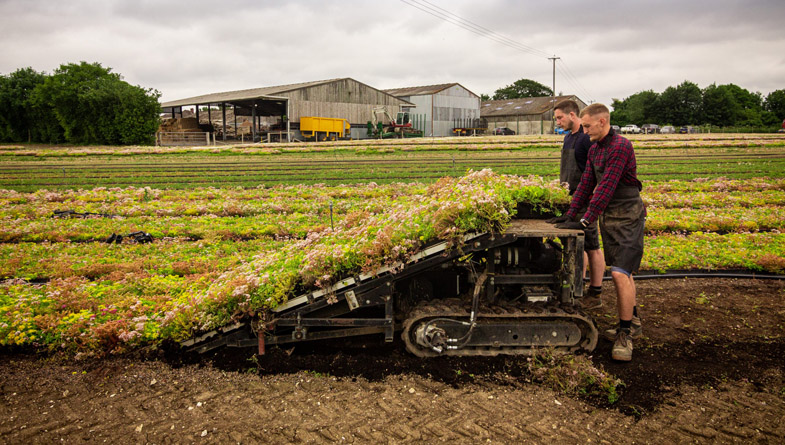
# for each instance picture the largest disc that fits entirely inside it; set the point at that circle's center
(597, 263)
(625, 294)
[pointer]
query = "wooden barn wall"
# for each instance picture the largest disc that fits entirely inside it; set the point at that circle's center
(355, 113)
(343, 99)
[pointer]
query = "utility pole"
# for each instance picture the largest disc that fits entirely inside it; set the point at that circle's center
(553, 99)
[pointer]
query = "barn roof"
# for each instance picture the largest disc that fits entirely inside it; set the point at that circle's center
(524, 106)
(264, 93)
(422, 90)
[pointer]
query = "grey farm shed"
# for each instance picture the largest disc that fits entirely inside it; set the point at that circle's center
(529, 115)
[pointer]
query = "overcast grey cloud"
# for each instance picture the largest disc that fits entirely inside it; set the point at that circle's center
(612, 48)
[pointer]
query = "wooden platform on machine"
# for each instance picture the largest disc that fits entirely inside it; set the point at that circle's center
(538, 227)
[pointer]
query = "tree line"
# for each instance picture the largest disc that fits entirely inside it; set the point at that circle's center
(686, 104)
(83, 103)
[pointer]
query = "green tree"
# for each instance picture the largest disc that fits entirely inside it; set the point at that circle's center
(522, 88)
(619, 115)
(680, 105)
(95, 106)
(732, 105)
(720, 106)
(484, 97)
(775, 103)
(18, 119)
(746, 99)
(639, 109)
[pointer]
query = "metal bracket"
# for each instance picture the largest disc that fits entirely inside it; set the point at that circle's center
(299, 333)
(351, 300)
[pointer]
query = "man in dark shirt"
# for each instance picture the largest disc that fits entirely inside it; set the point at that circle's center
(573, 162)
(611, 189)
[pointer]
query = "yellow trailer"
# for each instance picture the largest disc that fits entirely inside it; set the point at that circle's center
(323, 128)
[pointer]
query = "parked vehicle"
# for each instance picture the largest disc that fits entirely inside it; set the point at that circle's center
(632, 128)
(668, 129)
(650, 128)
(688, 129)
(503, 131)
(616, 128)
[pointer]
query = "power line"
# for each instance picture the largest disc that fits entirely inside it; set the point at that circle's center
(574, 79)
(575, 84)
(449, 17)
(439, 13)
(523, 47)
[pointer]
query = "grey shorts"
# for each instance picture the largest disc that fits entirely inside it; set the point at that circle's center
(622, 225)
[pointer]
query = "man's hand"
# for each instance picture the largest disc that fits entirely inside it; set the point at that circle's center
(570, 225)
(558, 219)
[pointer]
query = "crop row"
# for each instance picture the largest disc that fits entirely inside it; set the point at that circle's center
(44, 261)
(283, 201)
(737, 170)
(131, 202)
(474, 143)
(299, 225)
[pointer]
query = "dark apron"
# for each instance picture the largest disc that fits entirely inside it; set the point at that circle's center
(622, 225)
(568, 170)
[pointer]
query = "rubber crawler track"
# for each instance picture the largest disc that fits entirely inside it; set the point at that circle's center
(454, 308)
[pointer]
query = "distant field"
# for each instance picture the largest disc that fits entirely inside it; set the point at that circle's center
(660, 157)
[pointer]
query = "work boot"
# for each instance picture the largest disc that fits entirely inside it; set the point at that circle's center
(636, 330)
(591, 299)
(622, 347)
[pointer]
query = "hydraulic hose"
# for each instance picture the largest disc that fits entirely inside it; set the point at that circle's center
(457, 343)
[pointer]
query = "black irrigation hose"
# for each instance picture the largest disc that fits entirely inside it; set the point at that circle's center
(675, 274)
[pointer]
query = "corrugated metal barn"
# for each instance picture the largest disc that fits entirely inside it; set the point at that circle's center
(530, 115)
(343, 98)
(442, 105)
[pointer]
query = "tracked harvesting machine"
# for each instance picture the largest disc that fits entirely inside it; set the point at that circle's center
(494, 293)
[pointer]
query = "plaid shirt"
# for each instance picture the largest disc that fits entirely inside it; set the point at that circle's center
(615, 153)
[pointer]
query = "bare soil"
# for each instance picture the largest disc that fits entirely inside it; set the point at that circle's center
(710, 369)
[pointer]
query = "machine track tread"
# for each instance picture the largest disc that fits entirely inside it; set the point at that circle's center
(455, 308)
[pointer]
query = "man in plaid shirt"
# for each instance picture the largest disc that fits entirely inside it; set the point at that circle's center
(611, 189)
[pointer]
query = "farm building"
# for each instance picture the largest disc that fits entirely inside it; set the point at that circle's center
(269, 107)
(443, 107)
(530, 115)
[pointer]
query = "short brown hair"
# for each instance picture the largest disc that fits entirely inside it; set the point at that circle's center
(595, 109)
(567, 106)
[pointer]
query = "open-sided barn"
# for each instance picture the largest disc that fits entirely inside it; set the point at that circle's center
(282, 107)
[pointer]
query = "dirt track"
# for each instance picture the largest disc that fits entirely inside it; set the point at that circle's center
(709, 369)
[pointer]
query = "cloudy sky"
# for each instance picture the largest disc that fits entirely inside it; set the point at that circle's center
(608, 49)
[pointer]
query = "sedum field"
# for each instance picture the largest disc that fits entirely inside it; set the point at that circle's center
(238, 229)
